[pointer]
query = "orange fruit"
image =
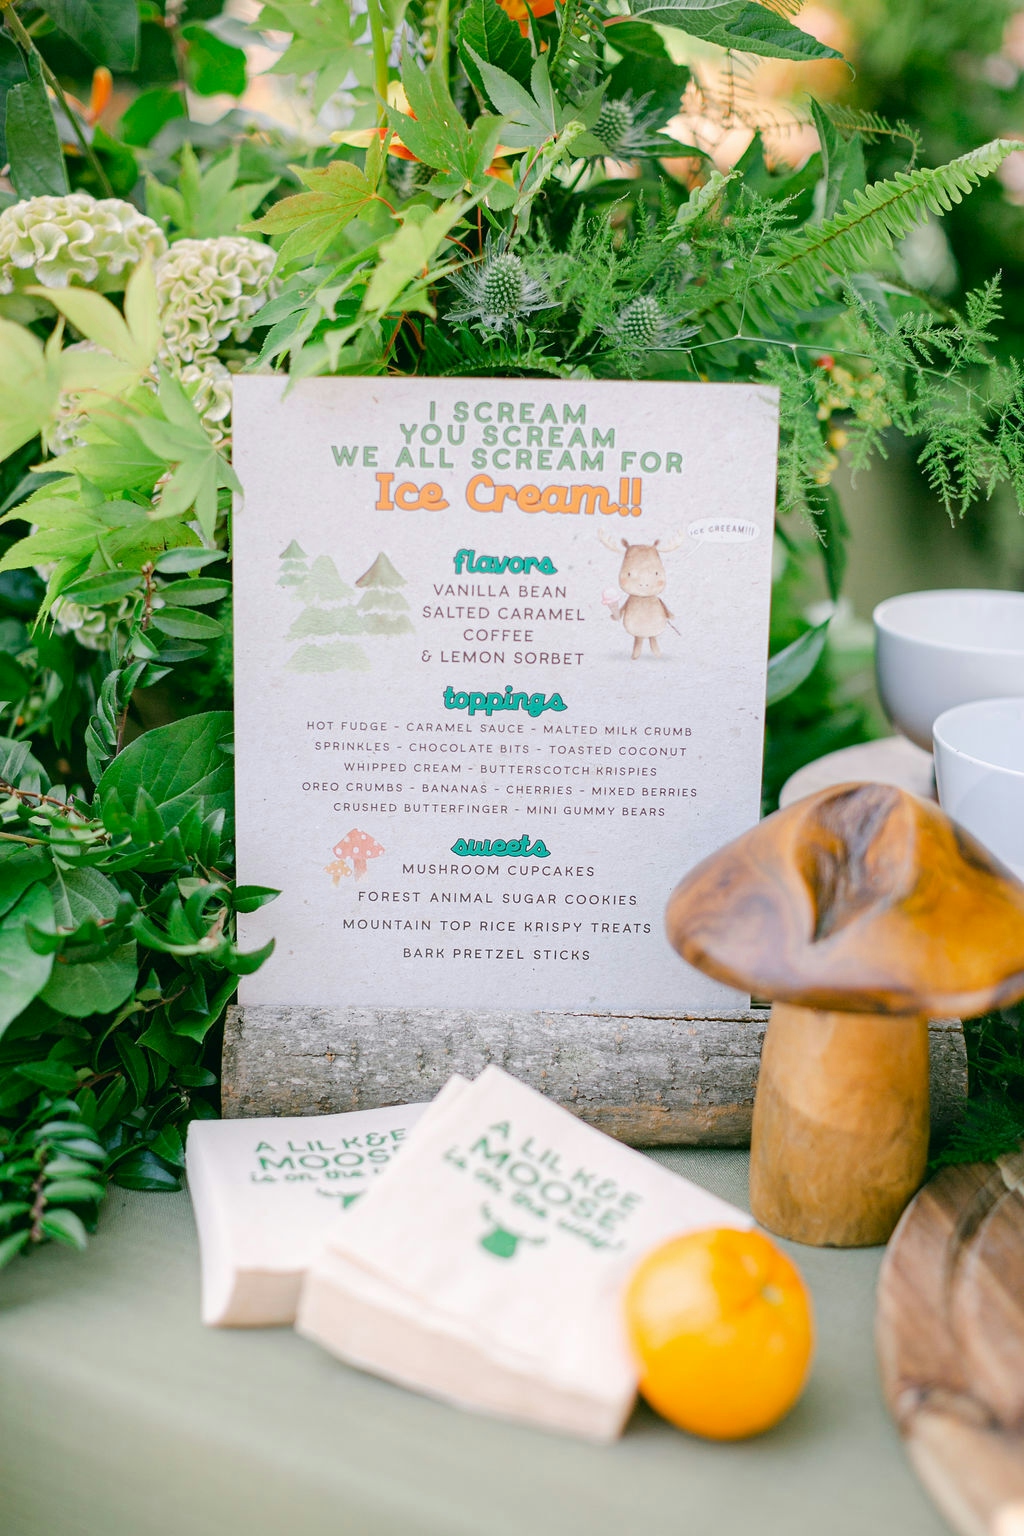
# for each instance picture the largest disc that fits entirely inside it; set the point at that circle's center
(721, 1324)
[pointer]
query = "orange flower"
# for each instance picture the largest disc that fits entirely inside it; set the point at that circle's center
(518, 9)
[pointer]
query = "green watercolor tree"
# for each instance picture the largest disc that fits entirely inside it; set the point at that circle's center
(382, 608)
(294, 566)
(328, 612)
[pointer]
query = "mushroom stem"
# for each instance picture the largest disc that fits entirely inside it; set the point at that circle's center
(840, 1132)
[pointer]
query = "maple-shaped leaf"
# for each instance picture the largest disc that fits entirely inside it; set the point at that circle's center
(205, 203)
(531, 117)
(323, 44)
(339, 192)
(436, 132)
(407, 256)
(178, 436)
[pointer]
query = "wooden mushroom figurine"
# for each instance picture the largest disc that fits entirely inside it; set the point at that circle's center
(861, 912)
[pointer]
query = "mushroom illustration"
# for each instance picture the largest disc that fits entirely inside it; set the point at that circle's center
(360, 847)
(862, 912)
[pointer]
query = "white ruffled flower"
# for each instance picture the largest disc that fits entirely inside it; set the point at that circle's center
(54, 241)
(209, 292)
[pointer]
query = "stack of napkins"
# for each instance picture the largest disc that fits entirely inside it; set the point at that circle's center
(488, 1265)
(267, 1194)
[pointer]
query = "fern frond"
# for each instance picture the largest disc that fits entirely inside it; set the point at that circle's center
(806, 261)
(580, 40)
(872, 127)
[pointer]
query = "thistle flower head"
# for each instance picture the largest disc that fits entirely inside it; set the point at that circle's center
(626, 126)
(498, 291)
(209, 291)
(643, 325)
(54, 241)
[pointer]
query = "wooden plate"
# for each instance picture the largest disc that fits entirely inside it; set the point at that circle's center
(950, 1335)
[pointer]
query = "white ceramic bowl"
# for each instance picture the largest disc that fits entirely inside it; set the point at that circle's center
(979, 769)
(934, 650)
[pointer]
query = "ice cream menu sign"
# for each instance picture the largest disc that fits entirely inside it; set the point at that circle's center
(500, 651)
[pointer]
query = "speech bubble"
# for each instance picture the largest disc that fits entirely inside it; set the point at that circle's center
(724, 530)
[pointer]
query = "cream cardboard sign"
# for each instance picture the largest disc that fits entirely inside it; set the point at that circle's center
(500, 679)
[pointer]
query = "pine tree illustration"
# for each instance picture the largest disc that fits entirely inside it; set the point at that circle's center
(382, 609)
(328, 612)
(294, 566)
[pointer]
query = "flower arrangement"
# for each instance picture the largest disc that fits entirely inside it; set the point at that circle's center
(496, 191)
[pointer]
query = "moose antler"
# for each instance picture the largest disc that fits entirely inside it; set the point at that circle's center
(676, 542)
(608, 541)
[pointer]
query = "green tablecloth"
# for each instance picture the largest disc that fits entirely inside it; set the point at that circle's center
(121, 1416)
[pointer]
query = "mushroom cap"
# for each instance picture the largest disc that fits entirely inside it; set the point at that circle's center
(859, 899)
(358, 842)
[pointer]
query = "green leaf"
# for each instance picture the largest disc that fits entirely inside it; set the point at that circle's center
(650, 74)
(339, 192)
(107, 587)
(488, 32)
(739, 24)
(195, 592)
(15, 682)
(11, 1246)
(135, 1065)
(322, 44)
(132, 338)
(12, 72)
(188, 558)
(196, 1077)
(33, 144)
(65, 1227)
(533, 116)
(185, 624)
(436, 132)
(212, 65)
(74, 1189)
(148, 113)
(834, 533)
(842, 162)
(206, 202)
(180, 765)
(55, 1076)
(20, 868)
(408, 254)
(249, 898)
(107, 30)
(788, 668)
(23, 973)
(141, 1169)
(28, 386)
(83, 987)
(61, 1167)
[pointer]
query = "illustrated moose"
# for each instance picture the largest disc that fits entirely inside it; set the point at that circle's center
(642, 577)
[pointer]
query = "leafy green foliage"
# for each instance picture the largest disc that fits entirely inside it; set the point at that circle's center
(30, 138)
(107, 30)
(738, 24)
(205, 202)
(992, 1122)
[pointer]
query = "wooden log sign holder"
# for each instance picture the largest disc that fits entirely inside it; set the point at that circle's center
(646, 1080)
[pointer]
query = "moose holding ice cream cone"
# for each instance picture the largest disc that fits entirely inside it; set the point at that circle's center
(642, 577)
